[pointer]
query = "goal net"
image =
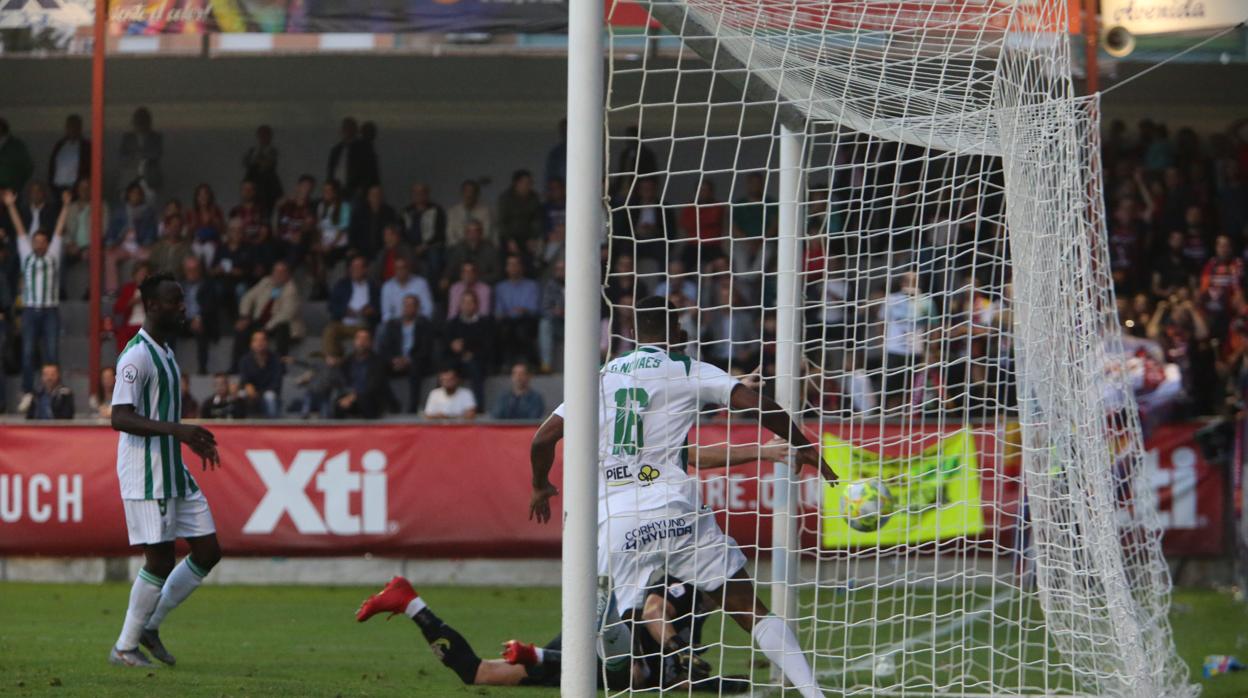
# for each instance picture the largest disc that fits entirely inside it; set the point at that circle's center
(929, 294)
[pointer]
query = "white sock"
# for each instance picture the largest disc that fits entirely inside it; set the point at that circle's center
(541, 655)
(184, 579)
(144, 596)
(778, 642)
(415, 606)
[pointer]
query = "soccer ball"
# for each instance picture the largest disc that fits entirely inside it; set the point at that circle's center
(866, 504)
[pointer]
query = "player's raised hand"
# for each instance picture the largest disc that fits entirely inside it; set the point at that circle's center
(539, 502)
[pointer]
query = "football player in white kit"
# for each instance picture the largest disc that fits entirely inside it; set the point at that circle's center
(161, 500)
(649, 514)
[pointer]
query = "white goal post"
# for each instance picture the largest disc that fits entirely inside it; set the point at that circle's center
(893, 212)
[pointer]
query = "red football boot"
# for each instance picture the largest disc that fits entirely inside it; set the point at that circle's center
(522, 653)
(392, 599)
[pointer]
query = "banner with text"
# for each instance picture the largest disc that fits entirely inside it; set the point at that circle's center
(463, 491)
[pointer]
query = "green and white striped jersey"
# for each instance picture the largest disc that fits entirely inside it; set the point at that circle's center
(41, 275)
(150, 467)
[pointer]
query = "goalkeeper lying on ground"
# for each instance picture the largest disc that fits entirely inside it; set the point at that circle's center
(670, 623)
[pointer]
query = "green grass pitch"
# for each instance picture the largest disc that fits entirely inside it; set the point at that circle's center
(303, 641)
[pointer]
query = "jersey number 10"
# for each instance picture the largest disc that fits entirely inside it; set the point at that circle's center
(629, 437)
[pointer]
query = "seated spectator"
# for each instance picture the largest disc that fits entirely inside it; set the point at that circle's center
(469, 281)
(296, 221)
(172, 247)
(449, 400)
(260, 371)
(261, 252)
(678, 282)
(229, 270)
(469, 208)
(406, 344)
(189, 406)
(517, 305)
(78, 222)
(424, 228)
(101, 399)
(128, 311)
(550, 327)
(392, 249)
(201, 310)
(205, 219)
(353, 305)
(224, 402)
(52, 399)
(368, 222)
(476, 249)
(704, 221)
(404, 284)
(520, 214)
(555, 207)
(322, 385)
(249, 210)
(333, 218)
(130, 230)
(520, 401)
(1172, 271)
(730, 333)
(367, 391)
(274, 306)
(470, 343)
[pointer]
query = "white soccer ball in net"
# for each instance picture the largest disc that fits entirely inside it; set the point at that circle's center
(867, 505)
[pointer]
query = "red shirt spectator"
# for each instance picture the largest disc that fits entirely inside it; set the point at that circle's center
(705, 219)
(1222, 278)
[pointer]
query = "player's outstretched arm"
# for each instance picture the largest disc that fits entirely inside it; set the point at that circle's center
(542, 459)
(201, 441)
(775, 419)
(721, 456)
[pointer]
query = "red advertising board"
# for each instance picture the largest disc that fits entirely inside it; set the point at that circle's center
(456, 491)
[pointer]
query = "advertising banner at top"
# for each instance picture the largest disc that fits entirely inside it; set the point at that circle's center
(60, 19)
(1166, 16)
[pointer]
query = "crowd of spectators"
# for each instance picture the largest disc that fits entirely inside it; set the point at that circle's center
(413, 291)
(457, 293)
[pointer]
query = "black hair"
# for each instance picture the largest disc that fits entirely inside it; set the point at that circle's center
(652, 314)
(151, 286)
(520, 174)
(307, 178)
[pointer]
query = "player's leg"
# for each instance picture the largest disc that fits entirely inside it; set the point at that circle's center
(448, 646)
(771, 634)
(192, 521)
(715, 560)
(148, 526)
(182, 582)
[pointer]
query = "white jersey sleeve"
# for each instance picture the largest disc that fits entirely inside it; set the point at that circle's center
(558, 411)
(714, 385)
(133, 372)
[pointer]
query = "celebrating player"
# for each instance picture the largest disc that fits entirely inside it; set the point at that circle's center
(649, 516)
(161, 500)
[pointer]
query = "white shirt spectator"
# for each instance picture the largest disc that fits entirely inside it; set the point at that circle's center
(458, 216)
(905, 323)
(458, 404)
(393, 293)
(359, 300)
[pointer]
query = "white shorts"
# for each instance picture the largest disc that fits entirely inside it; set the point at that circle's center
(161, 520)
(688, 546)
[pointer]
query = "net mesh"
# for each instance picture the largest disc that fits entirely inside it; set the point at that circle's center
(956, 341)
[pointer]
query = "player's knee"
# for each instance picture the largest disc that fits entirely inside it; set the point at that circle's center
(206, 554)
(159, 565)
